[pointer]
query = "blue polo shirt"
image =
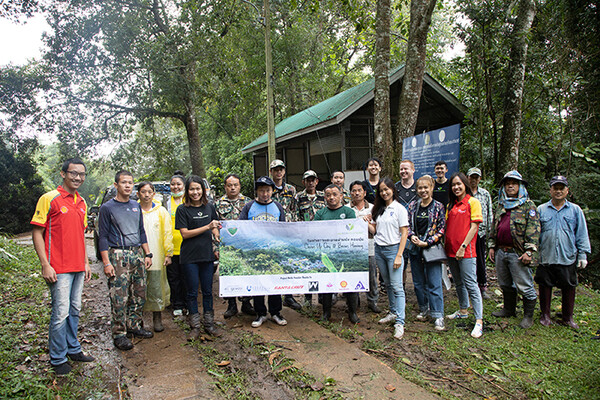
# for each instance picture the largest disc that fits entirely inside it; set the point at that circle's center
(564, 237)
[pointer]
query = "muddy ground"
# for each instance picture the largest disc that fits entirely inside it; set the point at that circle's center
(167, 367)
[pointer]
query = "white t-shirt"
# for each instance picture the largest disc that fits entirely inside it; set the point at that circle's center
(389, 223)
(366, 210)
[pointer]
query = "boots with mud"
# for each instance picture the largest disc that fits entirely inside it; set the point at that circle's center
(209, 324)
(327, 299)
(528, 309)
(157, 321)
(194, 320)
(231, 308)
(545, 303)
(510, 303)
(352, 303)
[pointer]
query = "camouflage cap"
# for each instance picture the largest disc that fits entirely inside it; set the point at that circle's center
(309, 173)
(276, 163)
(474, 171)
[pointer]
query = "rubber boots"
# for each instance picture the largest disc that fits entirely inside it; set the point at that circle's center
(231, 308)
(247, 307)
(568, 304)
(209, 323)
(327, 299)
(157, 321)
(528, 309)
(545, 302)
(352, 303)
(194, 320)
(510, 303)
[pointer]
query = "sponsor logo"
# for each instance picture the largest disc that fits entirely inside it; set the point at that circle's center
(313, 286)
(359, 286)
(232, 231)
(286, 287)
(343, 284)
(329, 285)
(135, 209)
(349, 226)
(251, 288)
(64, 210)
(532, 213)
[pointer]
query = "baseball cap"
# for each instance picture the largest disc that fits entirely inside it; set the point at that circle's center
(264, 181)
(309, 173)
(559, 179)
(276, 163)
(474, 171)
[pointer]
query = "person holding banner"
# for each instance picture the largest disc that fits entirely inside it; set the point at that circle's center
(462, 221)
(198, 222)
(389, 224)
(263, 208)
(336, 210)
(362, 208)
(426, 228)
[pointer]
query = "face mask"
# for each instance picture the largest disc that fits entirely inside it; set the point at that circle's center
(178, 194)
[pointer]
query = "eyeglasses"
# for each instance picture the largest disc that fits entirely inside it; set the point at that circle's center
(75, 174)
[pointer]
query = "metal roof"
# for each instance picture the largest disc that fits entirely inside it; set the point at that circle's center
(333, 111)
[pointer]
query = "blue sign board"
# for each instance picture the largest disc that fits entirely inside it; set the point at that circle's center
(430, 147)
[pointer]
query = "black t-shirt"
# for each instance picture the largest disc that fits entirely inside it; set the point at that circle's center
(406, 195)
(371, 191)
(441, 192)
(422, 219)
(198, 248)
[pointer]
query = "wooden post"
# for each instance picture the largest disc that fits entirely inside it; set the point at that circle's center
(269, 74)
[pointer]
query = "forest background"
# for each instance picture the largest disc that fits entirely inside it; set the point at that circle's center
(136, 84)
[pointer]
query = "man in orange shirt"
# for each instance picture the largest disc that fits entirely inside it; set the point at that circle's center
(59, 225)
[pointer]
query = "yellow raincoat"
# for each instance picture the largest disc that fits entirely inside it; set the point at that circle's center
(157, 223)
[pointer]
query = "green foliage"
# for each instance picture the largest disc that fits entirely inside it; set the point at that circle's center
(24, 317)
(20, 186)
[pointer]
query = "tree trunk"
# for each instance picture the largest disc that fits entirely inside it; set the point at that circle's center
(382, 121)
(511, 130)
(195, 145)
(412, 85)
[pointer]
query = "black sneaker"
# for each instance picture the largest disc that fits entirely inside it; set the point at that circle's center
(123, 343)
(62, 369)
(247, 308)
(290, 302)
(80, 357)
(140, 333)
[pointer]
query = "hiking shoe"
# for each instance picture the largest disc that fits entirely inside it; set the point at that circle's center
(373, 307)
(123, 343)
(290, 302)
(80, 357)
(422, 316)
(398, 331)
(387, 319)
(62, 369)
(177, 313)
(261, 319)
(457, 315)
(279, 320)
(247, 308)
(477, 330)
(140, 333)
(438, 324)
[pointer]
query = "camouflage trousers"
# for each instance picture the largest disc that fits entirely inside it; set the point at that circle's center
(127, 290)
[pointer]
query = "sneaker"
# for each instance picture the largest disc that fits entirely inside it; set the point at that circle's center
(387, 319)
(279, 320)
(123, 343)
(80, 357)
(177, 313)
(457, 315)
(62, 369)
(477, 331)
(438, 324)
(398, 331)
(259, 321)
(422, 316)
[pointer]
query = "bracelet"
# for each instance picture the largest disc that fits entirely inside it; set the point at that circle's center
(107, 265)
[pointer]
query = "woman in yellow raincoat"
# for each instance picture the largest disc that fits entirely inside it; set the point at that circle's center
(157, 223)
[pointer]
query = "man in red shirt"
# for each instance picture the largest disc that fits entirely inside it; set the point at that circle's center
(59, 225)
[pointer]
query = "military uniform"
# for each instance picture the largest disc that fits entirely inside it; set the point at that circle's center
(347, 199)
(228, 209)
(307, 205)
(286, 196)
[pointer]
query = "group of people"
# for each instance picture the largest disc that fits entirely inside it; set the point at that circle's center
(159, 253)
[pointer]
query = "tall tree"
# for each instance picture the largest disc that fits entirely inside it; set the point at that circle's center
(412, 84)
(511, 130)
(381, 114)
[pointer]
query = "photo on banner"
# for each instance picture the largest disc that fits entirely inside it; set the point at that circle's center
(261, 258)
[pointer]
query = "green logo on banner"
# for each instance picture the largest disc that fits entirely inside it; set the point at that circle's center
(350, 226)
(232, 231)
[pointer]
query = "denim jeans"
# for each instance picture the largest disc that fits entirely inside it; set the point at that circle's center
(427, 280)
(464, 273)
(199, 274)
(373, 293)
(513, 273)
(385, 256)
(66, 304)
(274, 302)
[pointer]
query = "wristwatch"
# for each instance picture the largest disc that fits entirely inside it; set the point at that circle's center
(149, 255)
(529, 253)
(464, 246)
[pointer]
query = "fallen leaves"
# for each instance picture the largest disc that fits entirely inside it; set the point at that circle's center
(390, 388)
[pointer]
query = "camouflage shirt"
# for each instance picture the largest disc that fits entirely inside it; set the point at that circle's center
(347, 199)
(308, 205)
(524, 228)
(230, 209)
(286, 196)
